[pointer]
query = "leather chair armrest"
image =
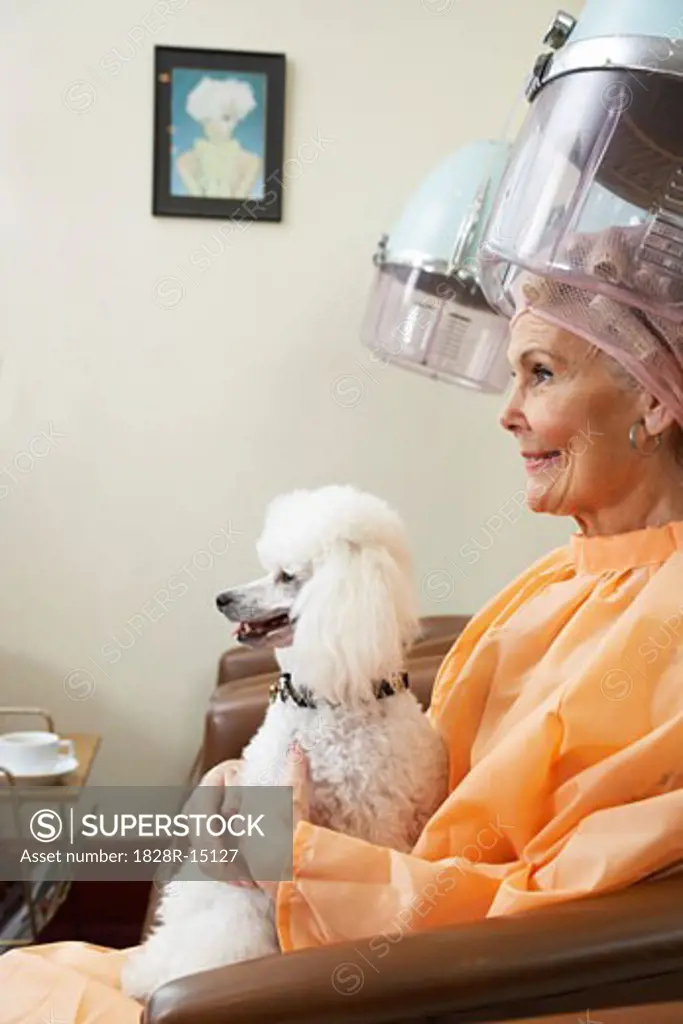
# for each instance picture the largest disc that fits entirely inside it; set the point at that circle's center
(618, 949)
(241, 663)
(435, 627)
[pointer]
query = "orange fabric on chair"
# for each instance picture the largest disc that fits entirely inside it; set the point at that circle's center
(66, 982)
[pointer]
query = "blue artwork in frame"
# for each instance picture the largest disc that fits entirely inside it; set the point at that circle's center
(219, 130)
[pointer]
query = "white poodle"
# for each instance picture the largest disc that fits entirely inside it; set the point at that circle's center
(337, 603)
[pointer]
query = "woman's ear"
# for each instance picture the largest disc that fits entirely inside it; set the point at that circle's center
(656, 417)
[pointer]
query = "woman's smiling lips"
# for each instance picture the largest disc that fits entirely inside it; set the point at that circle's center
(538, 462)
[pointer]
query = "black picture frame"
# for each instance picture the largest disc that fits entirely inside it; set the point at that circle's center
(166, 201)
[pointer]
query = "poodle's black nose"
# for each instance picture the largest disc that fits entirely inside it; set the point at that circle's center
(223, 600)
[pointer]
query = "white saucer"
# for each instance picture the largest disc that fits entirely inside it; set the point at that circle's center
(63, 765)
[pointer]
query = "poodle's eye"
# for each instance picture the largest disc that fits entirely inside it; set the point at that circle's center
(285, 577)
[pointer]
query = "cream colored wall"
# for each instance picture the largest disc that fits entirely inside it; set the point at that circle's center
(140, 440)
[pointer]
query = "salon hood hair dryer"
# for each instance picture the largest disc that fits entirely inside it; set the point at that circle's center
(427, 311)
(592, 196)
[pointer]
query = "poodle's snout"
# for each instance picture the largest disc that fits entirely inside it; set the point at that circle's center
(224, 600)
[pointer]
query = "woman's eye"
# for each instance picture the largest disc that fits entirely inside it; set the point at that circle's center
(286, 577)
(541, 373)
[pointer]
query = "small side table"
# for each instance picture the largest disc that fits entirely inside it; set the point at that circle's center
(25, 910)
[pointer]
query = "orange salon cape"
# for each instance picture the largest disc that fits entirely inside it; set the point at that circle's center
(562, 707)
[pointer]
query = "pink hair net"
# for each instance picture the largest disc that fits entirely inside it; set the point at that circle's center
(648, 346)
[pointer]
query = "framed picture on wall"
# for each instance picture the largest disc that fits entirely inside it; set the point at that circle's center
(218, 134)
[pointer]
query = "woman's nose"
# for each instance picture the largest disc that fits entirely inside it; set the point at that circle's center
(512, 417)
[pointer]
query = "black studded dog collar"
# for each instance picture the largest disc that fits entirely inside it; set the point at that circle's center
(284, 689)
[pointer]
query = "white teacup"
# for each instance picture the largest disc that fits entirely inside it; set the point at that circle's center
(30, 753)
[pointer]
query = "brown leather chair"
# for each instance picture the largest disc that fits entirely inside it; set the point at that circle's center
(622, 949)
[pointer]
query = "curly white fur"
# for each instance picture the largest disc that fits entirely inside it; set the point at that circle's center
(378, 769)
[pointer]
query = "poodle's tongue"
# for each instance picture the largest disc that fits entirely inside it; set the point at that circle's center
(254, 630)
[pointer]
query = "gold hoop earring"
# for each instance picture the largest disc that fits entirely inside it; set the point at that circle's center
(633, 439)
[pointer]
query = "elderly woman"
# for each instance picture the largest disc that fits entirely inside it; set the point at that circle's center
(561, 703)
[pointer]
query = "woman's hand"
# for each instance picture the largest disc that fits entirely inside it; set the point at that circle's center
(212, 798)
(298, 777)
(224, 774)
(208, 855)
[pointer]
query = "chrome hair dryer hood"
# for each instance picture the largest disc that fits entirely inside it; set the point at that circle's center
(427, 312)
(593, 193)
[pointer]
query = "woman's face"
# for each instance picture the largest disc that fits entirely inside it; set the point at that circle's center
(218, 130)
(571, 420)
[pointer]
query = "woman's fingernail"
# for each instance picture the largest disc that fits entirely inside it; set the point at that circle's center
(295, 753)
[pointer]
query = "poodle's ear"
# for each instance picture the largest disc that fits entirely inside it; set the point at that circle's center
(356, 616)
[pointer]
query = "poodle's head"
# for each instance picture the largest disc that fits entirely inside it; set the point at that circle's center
(338, 591)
